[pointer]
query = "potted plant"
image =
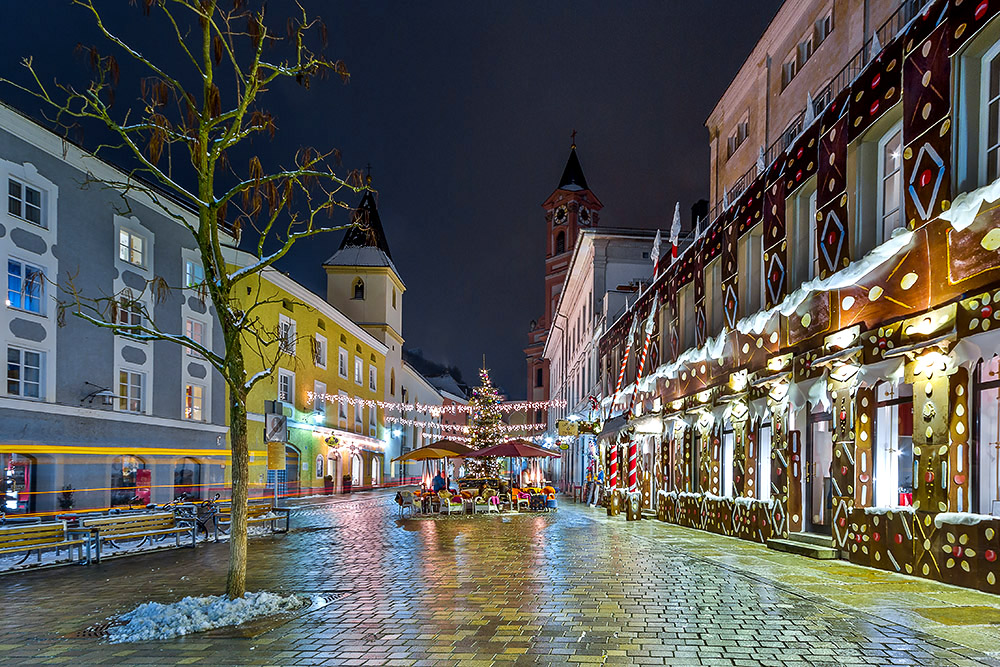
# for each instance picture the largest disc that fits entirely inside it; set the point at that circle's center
(328, 485)
(347, 483)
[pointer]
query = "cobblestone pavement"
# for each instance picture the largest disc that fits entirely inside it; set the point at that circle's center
(561, 588)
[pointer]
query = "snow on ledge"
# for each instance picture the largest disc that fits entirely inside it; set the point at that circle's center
(960, 519)
(153, 620)
(881, 511)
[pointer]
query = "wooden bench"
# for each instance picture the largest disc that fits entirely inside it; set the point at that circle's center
(41, 536)
(257, 514)
(134, 526)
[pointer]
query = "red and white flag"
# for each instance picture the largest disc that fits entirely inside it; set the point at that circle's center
(675, 229)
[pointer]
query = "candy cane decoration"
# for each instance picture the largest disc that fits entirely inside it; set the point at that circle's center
(628, 351)
(633, 448)
(613, 472)
(633, 459)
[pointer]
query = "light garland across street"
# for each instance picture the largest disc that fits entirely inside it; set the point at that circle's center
(462, 428)
(435, 410)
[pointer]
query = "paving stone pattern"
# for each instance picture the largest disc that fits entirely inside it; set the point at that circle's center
(561, 588)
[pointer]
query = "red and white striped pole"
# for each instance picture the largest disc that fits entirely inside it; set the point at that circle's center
(613, 467)
(633, 447)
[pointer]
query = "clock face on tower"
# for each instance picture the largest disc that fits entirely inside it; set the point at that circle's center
(584, 216)
(560, 215)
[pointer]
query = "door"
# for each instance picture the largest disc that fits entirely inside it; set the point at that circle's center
(292, 472)
(819, 459)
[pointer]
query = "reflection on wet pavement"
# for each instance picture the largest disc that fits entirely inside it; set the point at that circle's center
(567, 587)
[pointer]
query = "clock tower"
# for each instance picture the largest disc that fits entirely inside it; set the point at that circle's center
(570, 208)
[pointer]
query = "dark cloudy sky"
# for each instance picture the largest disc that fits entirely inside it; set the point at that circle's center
(464, 110)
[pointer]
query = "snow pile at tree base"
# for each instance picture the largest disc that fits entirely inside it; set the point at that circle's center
(153, 620)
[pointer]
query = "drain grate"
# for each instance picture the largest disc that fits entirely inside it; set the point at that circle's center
(96, 631)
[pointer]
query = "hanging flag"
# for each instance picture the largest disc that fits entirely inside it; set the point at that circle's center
(654, 254)
(675, 229)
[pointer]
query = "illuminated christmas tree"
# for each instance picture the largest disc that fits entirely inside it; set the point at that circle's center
(486, 427)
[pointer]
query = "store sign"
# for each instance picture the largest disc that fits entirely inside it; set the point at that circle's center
(566, 427)
(275, 456)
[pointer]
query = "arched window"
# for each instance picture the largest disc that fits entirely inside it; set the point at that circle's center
(560, 242)
(319, 466)
(376, 469)
(17, 481)
(129, 479)
(359, 289)
(187, 478)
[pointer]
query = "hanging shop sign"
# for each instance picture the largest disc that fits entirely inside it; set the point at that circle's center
(566, 427)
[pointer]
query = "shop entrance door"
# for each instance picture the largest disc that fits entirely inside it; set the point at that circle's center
(819, 489)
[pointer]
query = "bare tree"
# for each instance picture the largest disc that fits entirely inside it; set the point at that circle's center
(205, 103)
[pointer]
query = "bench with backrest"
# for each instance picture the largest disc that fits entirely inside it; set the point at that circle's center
(257, 514)
(40, 537)
(135, 526)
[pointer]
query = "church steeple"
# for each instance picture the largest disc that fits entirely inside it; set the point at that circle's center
(572, 177)
(367, 231)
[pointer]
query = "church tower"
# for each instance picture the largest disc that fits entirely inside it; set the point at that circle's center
(570, 208)
(363, 283)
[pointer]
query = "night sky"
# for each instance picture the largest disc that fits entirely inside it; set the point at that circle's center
(464, 110)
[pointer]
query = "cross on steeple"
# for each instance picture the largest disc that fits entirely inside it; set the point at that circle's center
(572, 136)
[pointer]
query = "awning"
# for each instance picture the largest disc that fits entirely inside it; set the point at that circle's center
(612, 427)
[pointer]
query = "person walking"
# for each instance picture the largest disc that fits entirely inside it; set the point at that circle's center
(594, 495)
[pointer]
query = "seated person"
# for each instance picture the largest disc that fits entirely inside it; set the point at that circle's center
(439, 482)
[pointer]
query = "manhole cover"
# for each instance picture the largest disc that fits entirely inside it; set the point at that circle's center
(96, 631)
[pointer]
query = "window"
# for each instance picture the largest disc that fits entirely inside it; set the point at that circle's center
(988, 441)
(187, 479)
(392, 382)
(359, 289)
(286, 386)
(25, 286)
(25, 202)
(342, 363)
(358, 418)
(359, 369)
(342, 407)
(319, 351)
(126, 483)
(538, 377)
(990, 115)
(131, 387)
(24, 373)
(560, 242)
(194, 274)
(713, 296)
(890, 183)
(393, 297)
(194, 402)
(726, 466)
(802, 243)
(372, 378)
(788, 70)
(750, 259)
(319, 400)
(739, 135)
(685, 303)
(129, 312)
(286, 334)
(823, 28)
(195, 331)
(804, 50)
(371, 421)
(893, 444)
(131, 247)
(764, 463)
(319, 467)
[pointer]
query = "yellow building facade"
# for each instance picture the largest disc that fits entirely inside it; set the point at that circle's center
(329, 446)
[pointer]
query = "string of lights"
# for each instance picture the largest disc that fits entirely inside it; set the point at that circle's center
(434, 410)
(461, 428)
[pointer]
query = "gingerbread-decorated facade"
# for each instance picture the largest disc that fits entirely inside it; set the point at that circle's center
(829, 338)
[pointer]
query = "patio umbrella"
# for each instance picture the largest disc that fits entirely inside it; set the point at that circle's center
(514, 448)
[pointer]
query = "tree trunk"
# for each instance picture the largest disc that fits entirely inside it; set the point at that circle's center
(236, 581)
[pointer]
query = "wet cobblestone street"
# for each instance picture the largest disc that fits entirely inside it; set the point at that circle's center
(568, 587)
